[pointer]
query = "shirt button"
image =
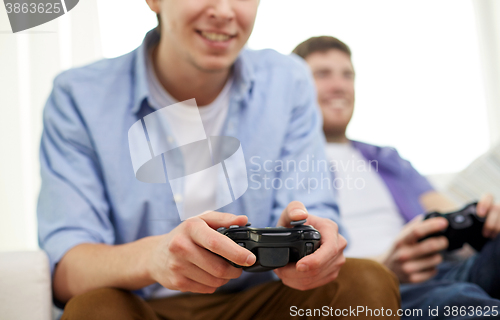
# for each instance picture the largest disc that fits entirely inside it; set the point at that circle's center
(177, 197)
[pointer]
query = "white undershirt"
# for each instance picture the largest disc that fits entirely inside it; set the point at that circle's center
(199, 195)
(366, 206)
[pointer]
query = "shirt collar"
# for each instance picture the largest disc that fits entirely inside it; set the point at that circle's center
(243, 75)
(387, 158)
(141, 89)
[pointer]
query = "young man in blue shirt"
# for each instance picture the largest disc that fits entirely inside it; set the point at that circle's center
(108, 234)
(381, 198)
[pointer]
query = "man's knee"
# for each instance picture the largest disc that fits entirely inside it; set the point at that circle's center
(367, 283)
(461, 292)
(369, 274)
(106, 303)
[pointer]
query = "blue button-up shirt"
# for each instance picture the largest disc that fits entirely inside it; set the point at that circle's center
(89, 192)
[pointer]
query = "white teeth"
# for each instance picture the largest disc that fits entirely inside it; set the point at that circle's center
(212, 36)
(338, 103)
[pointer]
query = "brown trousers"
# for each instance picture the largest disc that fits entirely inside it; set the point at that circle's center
(361, 283)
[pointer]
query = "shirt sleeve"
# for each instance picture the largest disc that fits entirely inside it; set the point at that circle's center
(418, 182)
(72, 206)
(405, 183)
(308, 179)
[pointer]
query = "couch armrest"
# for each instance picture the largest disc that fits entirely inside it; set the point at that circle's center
(25, 286)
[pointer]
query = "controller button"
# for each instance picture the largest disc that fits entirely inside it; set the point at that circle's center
(309, 248)
(233, 226)
(311, 235)
(298, 223)
(459, 219)
(241, 244)
(243, 235)
(248, 224)
(221, 229)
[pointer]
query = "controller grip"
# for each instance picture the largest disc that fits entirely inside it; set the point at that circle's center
(464, 226)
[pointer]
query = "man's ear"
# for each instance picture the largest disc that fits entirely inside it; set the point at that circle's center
(154, 5)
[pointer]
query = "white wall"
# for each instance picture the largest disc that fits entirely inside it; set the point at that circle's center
(488, 24)
(29, 61)
(419, 78)
(419, 85)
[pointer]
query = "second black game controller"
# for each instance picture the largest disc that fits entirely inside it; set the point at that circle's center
(274, 247)
(464, 226)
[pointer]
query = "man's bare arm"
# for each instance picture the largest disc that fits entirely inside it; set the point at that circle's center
(436, 201)
(187, 259)
(90, 266)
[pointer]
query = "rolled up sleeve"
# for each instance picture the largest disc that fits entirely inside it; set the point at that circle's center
(72, 206)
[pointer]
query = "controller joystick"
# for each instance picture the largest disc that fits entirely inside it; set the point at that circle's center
(298, 223)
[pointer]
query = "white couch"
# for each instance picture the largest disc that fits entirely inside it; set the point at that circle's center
(25, 290)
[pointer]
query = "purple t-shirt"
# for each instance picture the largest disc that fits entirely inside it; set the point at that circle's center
(405, 184)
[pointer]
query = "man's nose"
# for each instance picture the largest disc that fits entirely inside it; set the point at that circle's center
(221, 10)
(337, 85)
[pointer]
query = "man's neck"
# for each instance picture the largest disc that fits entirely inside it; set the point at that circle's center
(337, 138)
(182, 80)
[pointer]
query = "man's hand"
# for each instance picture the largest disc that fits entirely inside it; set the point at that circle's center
(185, 259)
(414, 261)
(486, 207)
(320, 267)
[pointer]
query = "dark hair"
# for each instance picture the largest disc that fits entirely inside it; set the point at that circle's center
(321, 44)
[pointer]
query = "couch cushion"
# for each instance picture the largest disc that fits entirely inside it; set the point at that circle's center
(25, 286)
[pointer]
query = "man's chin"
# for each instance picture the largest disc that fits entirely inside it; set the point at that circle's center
(214, 65)
(334, 128)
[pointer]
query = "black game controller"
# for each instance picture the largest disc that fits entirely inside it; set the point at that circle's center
(274, 247)
(464, 226)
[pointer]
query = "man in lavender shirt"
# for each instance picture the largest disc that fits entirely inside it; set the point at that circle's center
(382, 197)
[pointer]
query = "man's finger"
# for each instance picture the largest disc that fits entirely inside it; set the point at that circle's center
(484, 205)
(422, 276)
(220, 244)
(332, 244)
(221, 219)
(310, 279)
(295, 211)
(491, 225)
(290, 271)
(425, 228)
(416, 266)
(213, 264)
(196, 274)
(185, 284)
(424, 248)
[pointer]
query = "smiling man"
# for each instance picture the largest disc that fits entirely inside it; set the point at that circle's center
(382, 214)
(117, 247)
